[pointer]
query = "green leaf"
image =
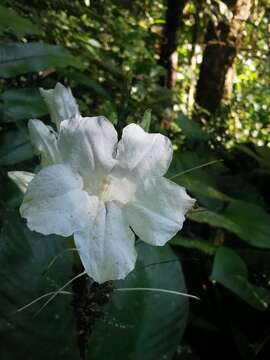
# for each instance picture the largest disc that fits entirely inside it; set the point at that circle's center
(137, 325)
(231, 271)
(19, 58)
(198, 186)
(23, 104)
(261, 154)
(144, 325)
(198, 174)
(190, 128)
(194, 243)
(24, 255)
(249, 221)
(10, 20)
(82, 79)
(249, 152)
(14, 148)
(146, 120)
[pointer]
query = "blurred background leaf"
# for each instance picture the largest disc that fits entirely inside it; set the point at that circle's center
(17, 58)
(11, 21)
(250, 222)
(15, 147)
(230, 271)
(16, 104)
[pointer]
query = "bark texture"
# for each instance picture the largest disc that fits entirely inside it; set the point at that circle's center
(168, 52)
(223, 42)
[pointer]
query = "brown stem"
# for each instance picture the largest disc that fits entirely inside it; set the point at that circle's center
(89, 298)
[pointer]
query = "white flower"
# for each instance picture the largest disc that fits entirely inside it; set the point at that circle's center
(100, 190)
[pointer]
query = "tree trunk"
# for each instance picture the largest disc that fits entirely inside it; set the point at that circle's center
(168, 52)
(222, 45)
(193, 58)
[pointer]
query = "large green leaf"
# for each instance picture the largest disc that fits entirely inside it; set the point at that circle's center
(144, 325)
(24, 256)
(231, 271)
(14, 148)
(19, 58)
(249, 221)
(137, 325)
(23, 104)
(10, 20)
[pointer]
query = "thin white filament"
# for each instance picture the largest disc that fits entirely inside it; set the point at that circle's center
(173, 292)
(42, 297)
(59, 291)
(51, 263)
(195, 168)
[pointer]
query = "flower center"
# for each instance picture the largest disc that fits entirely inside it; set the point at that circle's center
(117, 189)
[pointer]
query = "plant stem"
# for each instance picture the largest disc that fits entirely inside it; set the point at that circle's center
(89, 298)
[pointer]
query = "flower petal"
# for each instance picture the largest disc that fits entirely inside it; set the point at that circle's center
(55, 203)
(61, 103)
(45, 142)
(21, 179)
(143, 153)
(159, 210)
(88, 145)
(106, 246)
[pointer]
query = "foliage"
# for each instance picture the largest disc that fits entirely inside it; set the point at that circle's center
(108, 53)
(132, 325)
(230, 271)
